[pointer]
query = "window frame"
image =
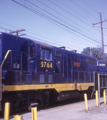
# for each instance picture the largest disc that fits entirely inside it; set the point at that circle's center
(58, 53)
(90, 60)
(31, 51)
(44, 56)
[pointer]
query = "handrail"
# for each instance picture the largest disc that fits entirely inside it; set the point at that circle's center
(5, 58)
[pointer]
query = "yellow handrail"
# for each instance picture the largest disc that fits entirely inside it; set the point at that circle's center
(5, 58)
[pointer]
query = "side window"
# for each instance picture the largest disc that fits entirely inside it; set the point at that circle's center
(89, 60)
(57, 53)
(42, 53)
(46, 54)
(32, 50)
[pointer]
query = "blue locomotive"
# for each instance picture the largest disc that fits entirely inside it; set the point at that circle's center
(35, 72)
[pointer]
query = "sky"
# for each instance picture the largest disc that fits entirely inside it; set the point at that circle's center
(60, 23)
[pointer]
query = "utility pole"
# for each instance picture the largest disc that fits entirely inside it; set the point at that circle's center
(17, 32)
(101, 33)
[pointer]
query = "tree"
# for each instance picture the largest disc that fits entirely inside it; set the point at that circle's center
(87, 51)
(94, 52)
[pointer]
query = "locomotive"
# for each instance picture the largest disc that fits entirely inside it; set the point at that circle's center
(36, 72)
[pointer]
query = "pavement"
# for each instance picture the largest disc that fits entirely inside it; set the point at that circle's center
(71, 111)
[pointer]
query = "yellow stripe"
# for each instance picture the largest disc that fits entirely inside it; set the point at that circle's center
(57, 87)
(84, 86)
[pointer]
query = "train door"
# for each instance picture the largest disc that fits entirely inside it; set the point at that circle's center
(28, 61)
(58, 70)
(31, 58)
(68, 68)
(59, 64)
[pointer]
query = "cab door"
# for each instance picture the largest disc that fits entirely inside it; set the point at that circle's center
(31, 74)
(31, 58)
(59, 63)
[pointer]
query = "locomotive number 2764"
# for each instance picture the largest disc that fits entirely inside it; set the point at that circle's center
(46, 64)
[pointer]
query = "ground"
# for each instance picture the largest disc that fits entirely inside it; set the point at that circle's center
(71, 111)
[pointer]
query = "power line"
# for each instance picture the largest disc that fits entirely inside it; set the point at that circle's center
(37, 35)
(69, 12)
(5, 29)
(40, 14)
(52, 39)
(83, 9)
(89, 6)
(17, 31)
(59, 45)
(92, 9)
(59, 23)
(68, 18)
(70, 8)
(8, 25)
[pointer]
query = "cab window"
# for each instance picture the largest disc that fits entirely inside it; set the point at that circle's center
(46, 54)
(32, 50)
